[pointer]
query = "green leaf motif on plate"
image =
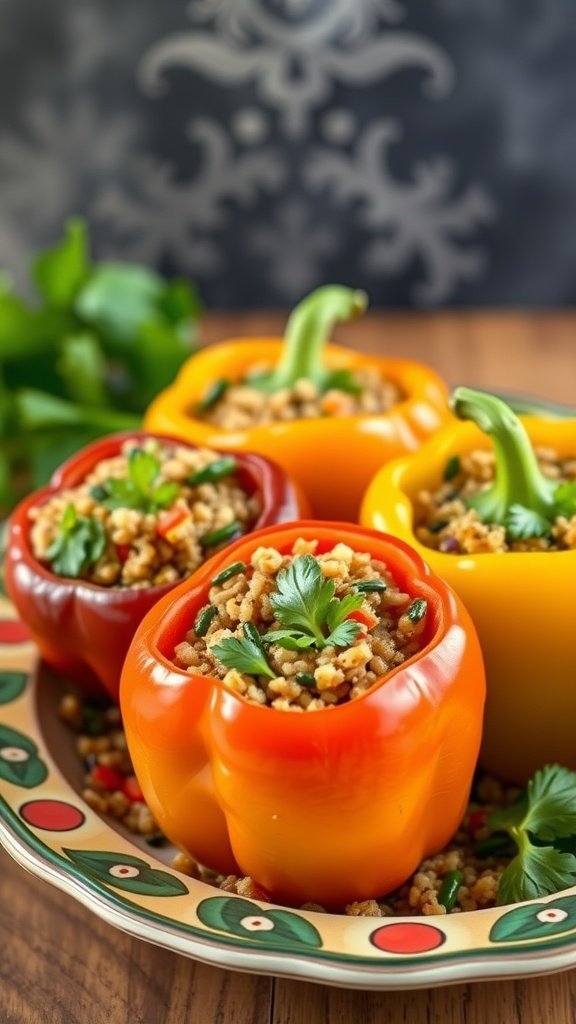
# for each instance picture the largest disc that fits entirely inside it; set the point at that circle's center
(123, 871)
(11, 685)
(536, 921)
(242, 917)
(19, 761)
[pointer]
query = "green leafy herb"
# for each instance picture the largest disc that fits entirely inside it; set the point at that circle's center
(140, 490)
(343, 380)
(545, 813)
(246, 654)
(304, 603)
(522, 523)
(79, 543)
(85, 358)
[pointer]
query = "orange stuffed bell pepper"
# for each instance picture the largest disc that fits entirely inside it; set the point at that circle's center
(330, 805)
(505, 539)
(329, 415)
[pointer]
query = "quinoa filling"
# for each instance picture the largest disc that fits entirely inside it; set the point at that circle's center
(358, 626)
(148, 516)
(238, 405)
(444, 521)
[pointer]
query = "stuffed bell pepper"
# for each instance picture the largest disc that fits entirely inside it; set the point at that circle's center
(491, 505)
(327, 414)
(119, 525)
(306, 708)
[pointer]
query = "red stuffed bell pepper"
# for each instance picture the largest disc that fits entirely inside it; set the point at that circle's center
(83, 626)
(330, 806)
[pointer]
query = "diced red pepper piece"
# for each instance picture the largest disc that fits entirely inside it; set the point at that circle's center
(123, 551)
(367, 619)
(131, 789)
(169, 525)
(108, 778)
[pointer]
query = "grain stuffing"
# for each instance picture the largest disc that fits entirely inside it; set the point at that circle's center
(148, 516)
(444, 521)
(237, 406)
(357, 625)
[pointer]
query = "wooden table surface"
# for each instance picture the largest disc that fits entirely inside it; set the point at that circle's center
(61, 965)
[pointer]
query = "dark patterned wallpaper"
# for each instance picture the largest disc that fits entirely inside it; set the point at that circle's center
(423, 150)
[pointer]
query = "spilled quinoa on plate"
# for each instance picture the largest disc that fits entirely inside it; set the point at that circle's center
(465, 875)
(236, 406)
(303, 631)
(444, 521)
(148, 516)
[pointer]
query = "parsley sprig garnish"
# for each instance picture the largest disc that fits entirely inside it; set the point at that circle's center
(310, 615)
(305, 605)
(246, 654)
(544, 815)
(79, 543)
(522, 522)
(140, 490)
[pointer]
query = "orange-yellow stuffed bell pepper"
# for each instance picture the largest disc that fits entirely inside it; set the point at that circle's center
(334, 453)
(522, 601)
(328, 805)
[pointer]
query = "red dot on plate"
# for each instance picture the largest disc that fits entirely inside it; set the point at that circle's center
(52, 815)
(410, 937)
(13, 632)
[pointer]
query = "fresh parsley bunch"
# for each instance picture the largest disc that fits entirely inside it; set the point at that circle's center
(86, 358)
(542, 824)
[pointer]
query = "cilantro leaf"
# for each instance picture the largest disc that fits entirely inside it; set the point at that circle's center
(536, 871)
(79, 543)
(290, 639)
(344, 634)
(305, 603)
(343, 380)
(545, 812)
(243, 653)
(339, 610)
(137, 491)
(565, 499)
(523, 523)
(302, 597)
(551, 797)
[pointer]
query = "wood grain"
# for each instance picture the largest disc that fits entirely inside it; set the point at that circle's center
(62, 965)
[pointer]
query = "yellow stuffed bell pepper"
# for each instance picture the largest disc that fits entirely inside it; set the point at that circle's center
(331, 453)
(521, 591)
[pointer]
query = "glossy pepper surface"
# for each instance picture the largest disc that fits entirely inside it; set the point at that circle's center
(332, 457)
(84, 630)
(522, 602)
(331, 805)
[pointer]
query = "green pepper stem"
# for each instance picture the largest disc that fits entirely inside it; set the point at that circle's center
(309, 327)
(518, 478)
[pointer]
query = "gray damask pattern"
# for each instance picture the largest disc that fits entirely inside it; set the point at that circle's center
(265, 146)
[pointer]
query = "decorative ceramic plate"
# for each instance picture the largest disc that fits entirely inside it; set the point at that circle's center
(48, 829)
